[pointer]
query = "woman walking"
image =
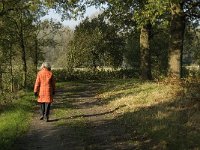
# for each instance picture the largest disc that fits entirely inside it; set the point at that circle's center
(44, 89)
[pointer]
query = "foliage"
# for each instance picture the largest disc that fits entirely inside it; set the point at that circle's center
(96, 43)
(23, 43)
(69, 9)
(132, 51)
(159, 49)
(191, 46)
(17, 26)
(131, 15)
(66, 75)
(112, 39)
(59, 52)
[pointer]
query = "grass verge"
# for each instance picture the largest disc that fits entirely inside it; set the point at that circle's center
(157, 115)
(14, 119)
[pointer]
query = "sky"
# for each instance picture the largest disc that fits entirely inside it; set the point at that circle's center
(90, 11)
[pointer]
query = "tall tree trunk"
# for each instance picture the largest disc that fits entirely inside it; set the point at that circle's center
(36, 54)
(94, 66)
(94, 58)
(23, 54)
(1, 80)
(145, 52)
(177, 28)
(11, 71)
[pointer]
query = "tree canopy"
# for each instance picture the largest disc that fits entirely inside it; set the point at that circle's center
(154, 36)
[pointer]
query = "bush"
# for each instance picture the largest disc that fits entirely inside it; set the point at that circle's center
(64, 75)
(190, 72)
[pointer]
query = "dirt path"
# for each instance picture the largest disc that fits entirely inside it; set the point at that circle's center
(85, 123)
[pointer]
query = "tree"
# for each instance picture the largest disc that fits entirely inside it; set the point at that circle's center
(43, 41)
(6, 6)
(181, 11)
(177, 27)
(18, 25)
(63, 38)
(7, 40)
(135, 15)
(96, 43)
(191, 53)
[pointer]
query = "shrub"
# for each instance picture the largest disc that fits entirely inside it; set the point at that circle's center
(64, 75)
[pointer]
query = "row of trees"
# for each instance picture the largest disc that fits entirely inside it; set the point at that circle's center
(146, 15)
(142, 33)
(95, 43)
(22, 42)
(146, 22)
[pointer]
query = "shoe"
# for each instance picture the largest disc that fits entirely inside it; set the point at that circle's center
(42, 117)
(47, 119)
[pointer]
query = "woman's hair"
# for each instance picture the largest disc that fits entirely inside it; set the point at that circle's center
(46, 65)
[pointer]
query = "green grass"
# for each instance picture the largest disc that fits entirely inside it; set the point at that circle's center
(157, 112)
(157, 115)
(14, 120)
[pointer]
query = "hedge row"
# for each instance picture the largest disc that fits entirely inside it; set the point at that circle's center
(64, 75)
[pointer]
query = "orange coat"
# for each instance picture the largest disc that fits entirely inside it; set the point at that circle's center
(45, 86)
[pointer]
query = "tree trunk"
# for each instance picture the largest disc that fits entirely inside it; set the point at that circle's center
(11, 72)
(1, 81)
(145, 52)
(177, 28)
(94, 66)
(36, 54)
(94, 58)
(23, 54)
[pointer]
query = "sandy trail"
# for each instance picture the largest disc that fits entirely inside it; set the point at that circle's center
(97, 132)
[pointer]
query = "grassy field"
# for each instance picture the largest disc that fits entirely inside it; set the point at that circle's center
(14, 119)
(154, 115)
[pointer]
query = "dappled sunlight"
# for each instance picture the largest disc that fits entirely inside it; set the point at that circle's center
(144, 96)
(166, 120)
(149, 114)
(126, 114)
(127, 77)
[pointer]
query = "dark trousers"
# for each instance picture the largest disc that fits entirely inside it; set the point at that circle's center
(45, 109)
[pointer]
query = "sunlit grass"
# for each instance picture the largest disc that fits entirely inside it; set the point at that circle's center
(157, 110)
(138, 94)
(14, 120)
(158, 115)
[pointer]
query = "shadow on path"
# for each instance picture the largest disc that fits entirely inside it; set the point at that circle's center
(87, 115)
(77, 132)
